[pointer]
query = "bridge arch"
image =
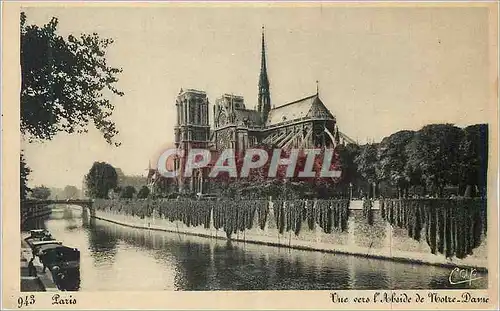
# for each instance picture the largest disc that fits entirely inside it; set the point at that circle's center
(39, 208)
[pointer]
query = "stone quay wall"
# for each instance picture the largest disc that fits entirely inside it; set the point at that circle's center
(33, 210)
(442, 232)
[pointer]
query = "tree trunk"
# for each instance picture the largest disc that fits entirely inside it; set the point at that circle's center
(468, 191)
(372, 190)
(440, 191)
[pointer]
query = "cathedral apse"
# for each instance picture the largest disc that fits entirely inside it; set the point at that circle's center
(301, 124)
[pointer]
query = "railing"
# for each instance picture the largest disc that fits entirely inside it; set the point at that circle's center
(69, 201)
(276, 125)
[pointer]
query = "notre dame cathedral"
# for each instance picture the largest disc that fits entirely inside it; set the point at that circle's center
(304, 123)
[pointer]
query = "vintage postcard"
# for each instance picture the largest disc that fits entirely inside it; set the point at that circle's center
(250, 155)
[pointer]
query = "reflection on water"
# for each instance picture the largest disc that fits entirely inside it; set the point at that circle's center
(114, 257)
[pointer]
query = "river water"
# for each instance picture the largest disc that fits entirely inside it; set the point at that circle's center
(114, 258)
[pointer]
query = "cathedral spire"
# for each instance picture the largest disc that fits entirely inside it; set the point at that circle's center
(263, 67)
(264, 103)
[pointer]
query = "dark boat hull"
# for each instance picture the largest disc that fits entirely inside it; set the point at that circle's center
(54, 255)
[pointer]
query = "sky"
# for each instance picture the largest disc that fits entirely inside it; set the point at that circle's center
(380, 70)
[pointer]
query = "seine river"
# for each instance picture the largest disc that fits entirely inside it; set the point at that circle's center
(114, 257)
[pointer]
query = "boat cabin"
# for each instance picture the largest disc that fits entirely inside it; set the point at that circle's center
(62, 256)
(37, 246)
(40, 235)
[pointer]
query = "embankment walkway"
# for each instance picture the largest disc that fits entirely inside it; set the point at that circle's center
(40, 282)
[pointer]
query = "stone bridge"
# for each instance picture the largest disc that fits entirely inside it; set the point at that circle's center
(39, 208)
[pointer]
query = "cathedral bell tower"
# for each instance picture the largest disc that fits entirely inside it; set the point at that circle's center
(264, 102)
(192, 130)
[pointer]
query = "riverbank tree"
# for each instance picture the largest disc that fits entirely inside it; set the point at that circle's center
(473, 154)
(143, 192)
(428, 162)
(128, 192)
(65, 83)
(40, 193)
(100, 179)
(24, 172)
(71, 192)
(392, 159)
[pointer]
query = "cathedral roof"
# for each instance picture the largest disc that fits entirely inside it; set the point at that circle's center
(311, 107)
(247, 115)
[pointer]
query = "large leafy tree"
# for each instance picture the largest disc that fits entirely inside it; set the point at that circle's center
(474, 159)
(65, 85)
(347, 155)
(434, 156)
(128, 192)
(143, 193)
(100, 179)
(392, 159)
(71, 192)
(64, 82)
(41, 193)
(366, 162)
